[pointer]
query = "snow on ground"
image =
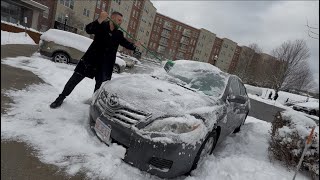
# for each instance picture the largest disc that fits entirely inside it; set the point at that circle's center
(15, 38)
(20, 26)
(280, 105)
(61, 136)
(283, 96)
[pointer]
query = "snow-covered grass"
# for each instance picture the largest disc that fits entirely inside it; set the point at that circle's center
(15, 38)
(283, 96)
(61, 136)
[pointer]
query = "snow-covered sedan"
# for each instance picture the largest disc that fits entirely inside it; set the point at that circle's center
(67, 47)
(169, 121)
(311, 108)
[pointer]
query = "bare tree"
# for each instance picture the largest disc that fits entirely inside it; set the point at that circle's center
(255, 47)
(292, 60)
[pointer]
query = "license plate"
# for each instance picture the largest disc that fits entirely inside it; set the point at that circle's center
(103, 131)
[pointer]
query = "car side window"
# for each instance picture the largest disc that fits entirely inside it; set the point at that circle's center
(234, 87)
(242, 89)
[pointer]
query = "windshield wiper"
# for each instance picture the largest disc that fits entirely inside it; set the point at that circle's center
(185, 87)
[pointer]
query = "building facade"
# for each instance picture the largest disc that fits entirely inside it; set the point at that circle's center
(235, 59)
(23, 12)
(162, 35)
(144, 29)
(225, 56)
(215, 51)
(172, 39)
(204, 46)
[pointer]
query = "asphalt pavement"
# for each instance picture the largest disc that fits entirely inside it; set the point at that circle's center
(17, 159)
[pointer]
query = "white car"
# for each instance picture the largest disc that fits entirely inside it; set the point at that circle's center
(129, 60)
(67, 47)
(311, 108)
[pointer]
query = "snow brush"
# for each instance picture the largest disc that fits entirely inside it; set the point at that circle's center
(169, 63)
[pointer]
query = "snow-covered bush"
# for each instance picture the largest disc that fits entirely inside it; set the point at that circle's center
(289, 132)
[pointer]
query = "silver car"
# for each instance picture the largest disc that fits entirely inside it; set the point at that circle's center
(171, 121)
(67, 47)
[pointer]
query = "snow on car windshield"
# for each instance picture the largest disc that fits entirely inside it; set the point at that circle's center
(69, 39)
(200, 76)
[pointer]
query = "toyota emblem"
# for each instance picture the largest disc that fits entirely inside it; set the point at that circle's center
(113, 100)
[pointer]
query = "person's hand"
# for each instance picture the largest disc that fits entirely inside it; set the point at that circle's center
(137, 44)
(103, 16)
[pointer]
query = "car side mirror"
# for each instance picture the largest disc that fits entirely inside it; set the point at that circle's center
(237, 99)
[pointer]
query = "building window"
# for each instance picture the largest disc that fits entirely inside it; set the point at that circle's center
(86, 12)
(98, 4)
(104, 6)
(96, 16)
(67, 3)
(45, 13)
(60, 17)
(43, 28)
(83, 27)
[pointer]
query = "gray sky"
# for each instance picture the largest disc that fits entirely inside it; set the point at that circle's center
(267, 23)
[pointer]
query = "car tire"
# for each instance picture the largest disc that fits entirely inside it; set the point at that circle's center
(312, 112)
(116, 69)
(206, 148)
(239, 128)
(61, 57)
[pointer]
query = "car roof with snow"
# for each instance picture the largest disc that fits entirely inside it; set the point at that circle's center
(68, 39)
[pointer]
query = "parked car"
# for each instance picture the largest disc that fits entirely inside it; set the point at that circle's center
(169, 121)
(67, 47)
(130, 61)
(311, 108)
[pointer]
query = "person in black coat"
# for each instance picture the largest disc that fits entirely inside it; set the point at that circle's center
(276, 96)
(99, 59)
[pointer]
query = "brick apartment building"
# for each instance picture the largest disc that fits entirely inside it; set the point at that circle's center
(163, 35)
(172, 39)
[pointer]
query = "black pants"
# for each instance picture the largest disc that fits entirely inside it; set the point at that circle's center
(75, 79)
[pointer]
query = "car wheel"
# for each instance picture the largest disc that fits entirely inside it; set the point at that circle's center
(206, 148)
(312, 112)
(116, 68)
(239, 128)
(61, 57)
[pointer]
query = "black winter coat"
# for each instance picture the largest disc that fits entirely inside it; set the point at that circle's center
(101, 54)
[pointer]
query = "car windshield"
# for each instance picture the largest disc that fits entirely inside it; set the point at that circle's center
(200, 76)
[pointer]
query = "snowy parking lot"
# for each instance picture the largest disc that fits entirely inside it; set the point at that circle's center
(62, 137)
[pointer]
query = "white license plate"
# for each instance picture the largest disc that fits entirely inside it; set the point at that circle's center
(103, 131)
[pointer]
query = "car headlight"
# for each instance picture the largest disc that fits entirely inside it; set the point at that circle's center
(174, 125)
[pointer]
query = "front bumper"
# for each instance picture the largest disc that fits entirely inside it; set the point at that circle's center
(164, 160)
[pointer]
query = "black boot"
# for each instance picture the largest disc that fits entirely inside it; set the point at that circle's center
(57, 102)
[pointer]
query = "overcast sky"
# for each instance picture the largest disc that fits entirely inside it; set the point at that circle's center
(267, 23)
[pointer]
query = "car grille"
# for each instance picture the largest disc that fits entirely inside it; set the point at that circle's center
(160, 163)
(121, 113)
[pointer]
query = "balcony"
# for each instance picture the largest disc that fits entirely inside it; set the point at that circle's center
(184, 50)
(186, 33)
(167, 26)
(161, 51)
(165, 35)
(163, 43)
(185, 42)
(179, 56)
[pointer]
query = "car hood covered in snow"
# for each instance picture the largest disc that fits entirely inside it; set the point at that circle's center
(159, 97)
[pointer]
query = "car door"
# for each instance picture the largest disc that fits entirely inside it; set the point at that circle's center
(233, 110)
(244, 108)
